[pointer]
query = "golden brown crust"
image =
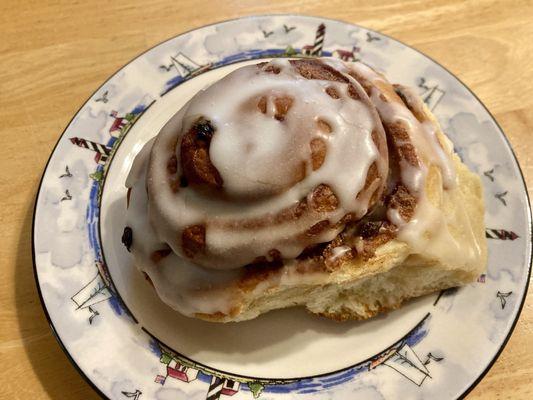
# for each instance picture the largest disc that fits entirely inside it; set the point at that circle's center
(348, 315)
(256, 273)
(219, 316)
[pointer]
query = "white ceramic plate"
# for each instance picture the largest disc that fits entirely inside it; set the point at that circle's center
(128, 344)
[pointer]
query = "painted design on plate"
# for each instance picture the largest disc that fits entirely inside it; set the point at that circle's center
(133, 395)
(103, 98)
(370, 37)
(501, 197)
(503, 297)
(186, 68)
(431, 94)
(67, 173)
(408, 359)
(500, 234)
(400, 357)
(100, 288)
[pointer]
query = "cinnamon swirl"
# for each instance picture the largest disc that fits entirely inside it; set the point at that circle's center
(308, 182)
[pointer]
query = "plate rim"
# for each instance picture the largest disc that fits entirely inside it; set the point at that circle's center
(55, 333)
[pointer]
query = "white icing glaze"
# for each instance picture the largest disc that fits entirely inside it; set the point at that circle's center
(257, 156)
(184, 286)
(138, 168)
(442, 155)
(427, 232)
(422, 135)
(359, 244)
(339, 251)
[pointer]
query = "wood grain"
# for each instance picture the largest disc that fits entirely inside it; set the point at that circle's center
(54, 54)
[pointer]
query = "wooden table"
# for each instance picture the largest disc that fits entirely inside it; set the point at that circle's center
(53, 55)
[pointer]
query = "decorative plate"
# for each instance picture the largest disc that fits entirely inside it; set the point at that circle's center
(128, 344)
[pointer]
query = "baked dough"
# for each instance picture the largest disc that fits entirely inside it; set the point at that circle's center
(307, 182)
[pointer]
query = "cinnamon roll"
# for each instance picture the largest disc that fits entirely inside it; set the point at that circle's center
(309, 182)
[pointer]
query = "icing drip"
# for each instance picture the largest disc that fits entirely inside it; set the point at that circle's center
(183, 285)
(423, 135)
(339, 251)
(426, 231)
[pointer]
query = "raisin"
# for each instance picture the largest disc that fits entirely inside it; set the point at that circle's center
(204, 130)
(127, 238)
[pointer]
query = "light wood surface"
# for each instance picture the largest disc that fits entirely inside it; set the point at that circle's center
(53, 55)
